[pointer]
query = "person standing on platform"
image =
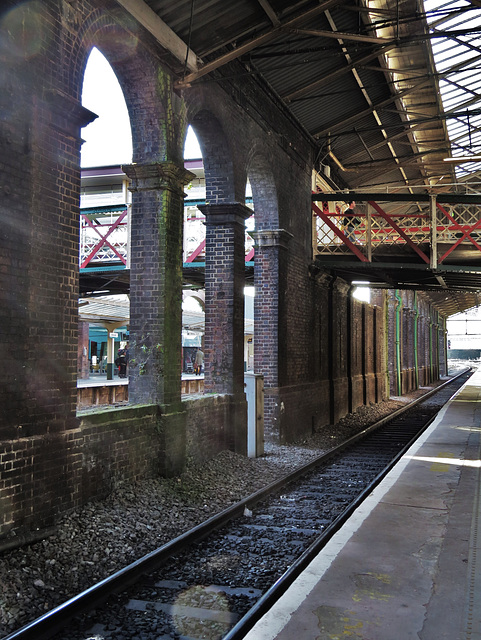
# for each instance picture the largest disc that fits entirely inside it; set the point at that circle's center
(350, 221)
(121, 363)
(198, 362)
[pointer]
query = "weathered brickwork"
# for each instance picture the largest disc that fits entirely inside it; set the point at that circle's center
(355, 354)
(106, 448)
(442, 349)
(224, 311)
(156, 281)
(270, 269)
(321, 353)
(415, 342)
(207, 426)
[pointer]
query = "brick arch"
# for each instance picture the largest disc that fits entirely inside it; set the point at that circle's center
(264, 192)
(137, 71)
(198, 295)
(219, 168)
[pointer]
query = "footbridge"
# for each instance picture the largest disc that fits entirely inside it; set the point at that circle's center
(427, 242)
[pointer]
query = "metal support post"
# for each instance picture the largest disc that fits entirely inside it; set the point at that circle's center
(434, 233)
(369, 234)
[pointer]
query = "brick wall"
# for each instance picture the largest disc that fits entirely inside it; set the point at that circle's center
(207, 424)
(356, 356)
(321, 360)
(108, 446)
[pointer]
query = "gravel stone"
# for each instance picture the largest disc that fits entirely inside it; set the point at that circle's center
(100, 538)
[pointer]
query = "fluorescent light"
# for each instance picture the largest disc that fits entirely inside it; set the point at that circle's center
(462, 159)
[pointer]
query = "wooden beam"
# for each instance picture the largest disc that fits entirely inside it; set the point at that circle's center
(161, 32)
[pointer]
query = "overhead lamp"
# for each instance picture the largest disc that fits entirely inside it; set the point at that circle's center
(463, 159)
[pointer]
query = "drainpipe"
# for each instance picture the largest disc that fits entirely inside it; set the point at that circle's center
(438, 350)
(416, 316)
(445, 342)
(398, 341)
(349, 348)
(431, 346)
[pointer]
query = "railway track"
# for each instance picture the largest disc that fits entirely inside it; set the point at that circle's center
(215, 581)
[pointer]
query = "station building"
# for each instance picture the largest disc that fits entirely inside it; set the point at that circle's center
(332, 125)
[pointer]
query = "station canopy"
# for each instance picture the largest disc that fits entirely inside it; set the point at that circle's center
(387, 91)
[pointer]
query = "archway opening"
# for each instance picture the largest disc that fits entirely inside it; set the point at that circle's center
(108, 139)
(104, 221)
(193, 296)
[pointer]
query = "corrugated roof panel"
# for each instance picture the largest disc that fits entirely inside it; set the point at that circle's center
(293, 60)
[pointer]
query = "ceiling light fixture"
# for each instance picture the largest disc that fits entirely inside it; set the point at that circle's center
(462, 159)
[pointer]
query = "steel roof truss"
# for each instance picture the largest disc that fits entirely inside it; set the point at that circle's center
(252, 44)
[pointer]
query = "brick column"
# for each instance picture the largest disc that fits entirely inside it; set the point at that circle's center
(411, 319)
(324, 281)
(423, 349)
(356, 342)
(156, 298)
(340, 344)
(380, 349)
(224, 310)
(391, 343)
(369, 361)
(436, 359)
(443, 362)
(40, 193)
(270, 357)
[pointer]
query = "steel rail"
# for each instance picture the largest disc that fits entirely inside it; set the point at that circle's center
(53, 621)
(272, 595)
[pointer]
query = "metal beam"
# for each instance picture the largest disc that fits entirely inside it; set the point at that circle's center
(399, 161)
(271, 14)
(442, 198)
(354, 265)
(411, 125)
(299, 93)
(252, 44)
(338, 35)
(358, 116)
(434, 231)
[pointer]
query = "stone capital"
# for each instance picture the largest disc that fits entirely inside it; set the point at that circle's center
(322, 278)
(225, 213)
(268, 238)
(157, 176)
(341, 286)
(68, 115)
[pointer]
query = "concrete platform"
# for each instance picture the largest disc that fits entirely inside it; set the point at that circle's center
(408, 562)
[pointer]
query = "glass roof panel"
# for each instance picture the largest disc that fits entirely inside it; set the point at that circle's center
(456, 52)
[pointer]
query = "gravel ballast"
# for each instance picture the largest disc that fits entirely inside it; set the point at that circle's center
(92, 542)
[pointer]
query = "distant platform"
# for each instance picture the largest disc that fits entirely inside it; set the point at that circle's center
(97, 390)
